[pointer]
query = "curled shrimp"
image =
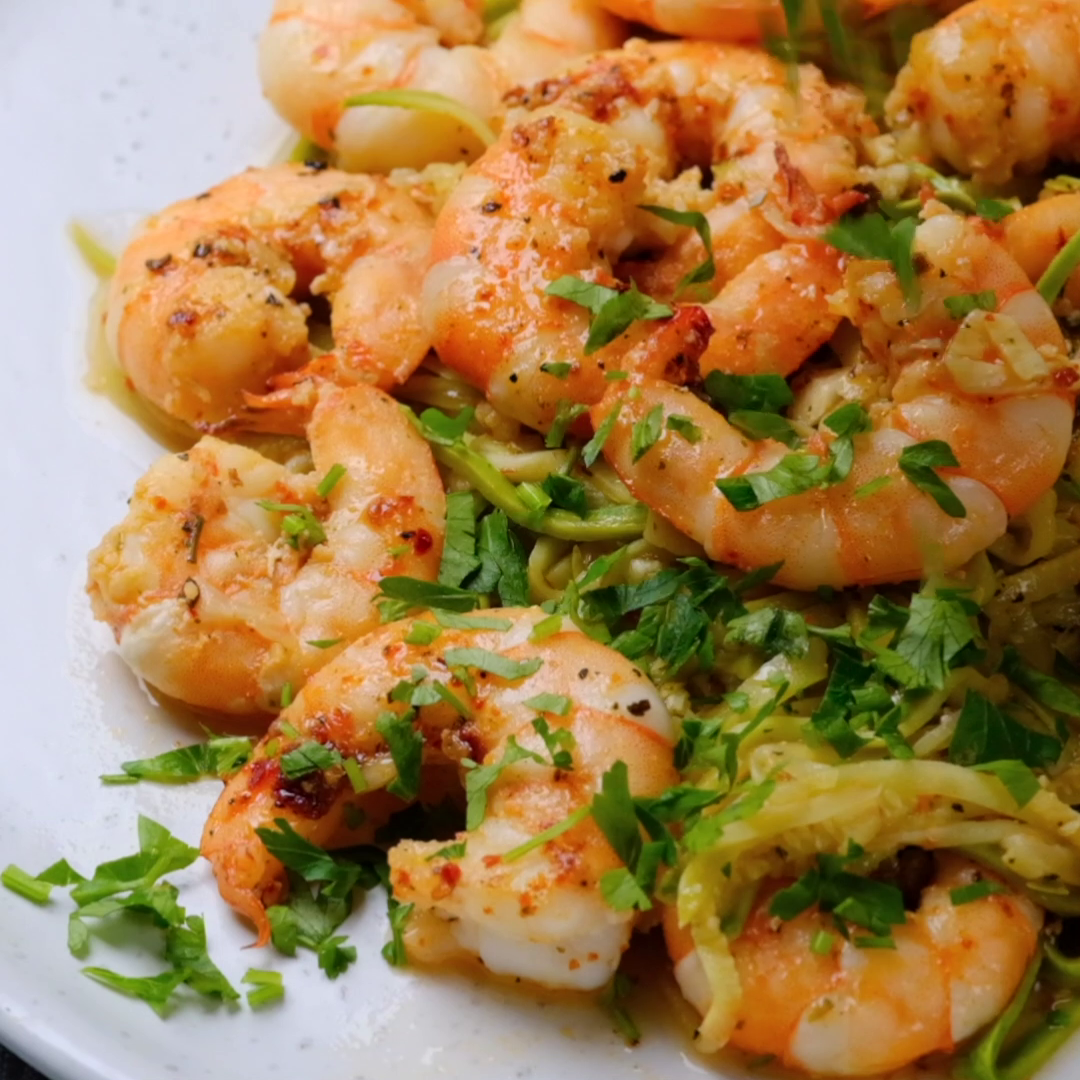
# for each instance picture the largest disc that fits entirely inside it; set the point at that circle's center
(207, 308)
(561, 193)
(954, 969)
(208, 600)
(316, 54)
(999, 394)
(993, 88)
(540, 916)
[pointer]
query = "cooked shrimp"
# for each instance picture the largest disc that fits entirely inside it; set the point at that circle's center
(560, 194)
(954, 969)
(994, 88)
(208, 601)
(996, 387)
(315, 54)
(825, 536)
(539, 917)
(1036, 233)
(1001, 393)
(206, 308)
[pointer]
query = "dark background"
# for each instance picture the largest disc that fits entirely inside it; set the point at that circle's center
(11, 1068)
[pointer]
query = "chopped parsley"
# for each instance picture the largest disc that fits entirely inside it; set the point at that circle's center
(919, 462)
(646, 432)
(873, 236)
(963, 305)
(220, 756)
(406, 746)
(300, 527)
(692, 219)
(613, 312)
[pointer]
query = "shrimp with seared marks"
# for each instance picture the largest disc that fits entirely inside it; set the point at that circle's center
(562, 190)
(540, 916)
(954, 969)
(316, 54)
(995, 386)
(208, 600)
(207, 310)
(994, 88)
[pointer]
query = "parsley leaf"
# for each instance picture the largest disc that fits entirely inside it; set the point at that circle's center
(459, 549)
(566, 412)
(765, 425)
(684, 426)
(965, 303)
(591, 450)
(426, 594)
(984, 733)
(754, 393)
(445, 430)
(872, 236)
(309, 757)
(613, 312)
(774, 630)
(566, 492)
(219, 756)
(1021, 782)
(918, 463)
(1045, 689)
(873, 905)
(480, 778)
(406, 746)
(155, 990)
(697, 221)
(185, 949)
(300, 527)
(492, 662)
(502, 561)
(646, 432)
(160, 853)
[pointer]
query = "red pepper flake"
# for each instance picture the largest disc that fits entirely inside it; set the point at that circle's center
(423, 542)
(492, 860)
(1065, 376)
(450, 873)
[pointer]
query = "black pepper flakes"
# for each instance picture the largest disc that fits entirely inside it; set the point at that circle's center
(157, 265)
(491, 207)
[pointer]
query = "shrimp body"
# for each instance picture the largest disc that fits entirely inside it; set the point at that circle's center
(995, 387)
(1035, 233)
(953, 970)
(825, 536)
(206, 309)
(560, 194)
(993, 88)
(315, 54)
(207, 600)
(539, 916)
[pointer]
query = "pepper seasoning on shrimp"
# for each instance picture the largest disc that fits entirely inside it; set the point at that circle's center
(992, 88)
(207, 313)
(561, 193)
(954, 968)
(538, 916)
(208, 600)
(316, 54)
(995, 386)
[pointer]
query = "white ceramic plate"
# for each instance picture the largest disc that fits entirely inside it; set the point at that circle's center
(110, 109)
